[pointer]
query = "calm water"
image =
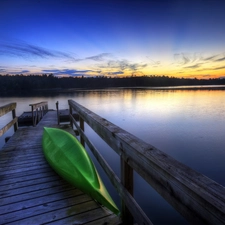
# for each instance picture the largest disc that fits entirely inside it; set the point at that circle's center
(189, 125)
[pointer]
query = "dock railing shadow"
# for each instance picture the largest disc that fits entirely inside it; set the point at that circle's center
(196, 197)
(11, 107)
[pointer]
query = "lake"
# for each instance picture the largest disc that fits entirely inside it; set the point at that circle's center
(187, 124)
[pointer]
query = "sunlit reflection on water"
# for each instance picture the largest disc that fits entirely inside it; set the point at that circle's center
(189, 125)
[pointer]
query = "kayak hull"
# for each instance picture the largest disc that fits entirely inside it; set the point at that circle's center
(70, 160)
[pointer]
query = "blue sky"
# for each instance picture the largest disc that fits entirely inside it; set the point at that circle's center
(113, 38)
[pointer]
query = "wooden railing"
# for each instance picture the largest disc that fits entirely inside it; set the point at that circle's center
(38, 111)
(4, 110)
(199, 199)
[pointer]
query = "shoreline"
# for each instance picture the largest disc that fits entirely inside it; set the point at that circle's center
(55, 91)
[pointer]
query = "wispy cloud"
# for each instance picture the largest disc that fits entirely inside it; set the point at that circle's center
(184, 59)
(99, 57)
(211, 58)
(70, 72)
(154, 63)
(212, 68)
(123, 65)
(17, 48)
(220, 59)
(219, 68)
(25, 71)
(17, 71)
(199, 61)
(197, 65)
(114, 73)
(29, 51)
(215, 58)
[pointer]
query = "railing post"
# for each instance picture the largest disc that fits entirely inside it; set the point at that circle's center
(32, 110)
(42, 111)
(127, 181)
(71, 113)
(37, 117)
(57, 108)
(82, 128)
(14, 116)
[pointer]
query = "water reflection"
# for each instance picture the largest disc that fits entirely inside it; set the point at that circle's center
(189, 125)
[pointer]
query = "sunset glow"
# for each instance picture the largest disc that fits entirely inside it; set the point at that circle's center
(113, 38)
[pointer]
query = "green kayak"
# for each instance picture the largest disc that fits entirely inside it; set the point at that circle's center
(70, 160)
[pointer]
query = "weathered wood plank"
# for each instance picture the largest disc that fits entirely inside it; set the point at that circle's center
(19, 159)
(41, 200)
(134, 208)
(109, 220)
(23, 184)
(7, 108)
(127, 181)
(29, 189)
(35, 194)
(44, 211)
(84, 217)
(47, 171)
(7, 126)
(13, 182)
(38, 105)
(55, 211)
(192, 194)
(24, 168)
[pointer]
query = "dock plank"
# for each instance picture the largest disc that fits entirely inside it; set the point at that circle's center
(32, 193)
(38, 201)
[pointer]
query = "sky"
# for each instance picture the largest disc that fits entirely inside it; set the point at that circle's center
(176, 38)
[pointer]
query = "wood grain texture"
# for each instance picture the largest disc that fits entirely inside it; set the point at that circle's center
(7, 108)
(199, 199)
(134, 208)
(14, 122)
(32, 193)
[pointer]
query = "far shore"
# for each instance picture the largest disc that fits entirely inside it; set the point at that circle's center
(55, 91)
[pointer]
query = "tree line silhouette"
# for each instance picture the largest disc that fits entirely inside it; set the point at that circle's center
(24, 83)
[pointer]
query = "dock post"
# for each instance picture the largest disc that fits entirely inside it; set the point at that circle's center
(14, 116)
(82, 128)
(71, 113)
(127, 181)
(57, 108)
(32, 110)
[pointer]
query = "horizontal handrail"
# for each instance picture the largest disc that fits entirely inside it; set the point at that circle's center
(199, 199)
(128, 199)
(7, 108)
(38, 105)
(4, 110)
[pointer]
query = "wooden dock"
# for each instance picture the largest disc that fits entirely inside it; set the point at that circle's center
(26, 118)
(32, 193)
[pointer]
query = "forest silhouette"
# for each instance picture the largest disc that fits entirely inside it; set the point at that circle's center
(49, 82)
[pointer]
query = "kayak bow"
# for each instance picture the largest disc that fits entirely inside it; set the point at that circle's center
(70, 160)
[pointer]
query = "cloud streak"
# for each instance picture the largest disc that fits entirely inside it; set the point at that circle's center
(70, 72)
(220, 59)
(29, 51)
(123, 65)
(197, 65)
(184, 59)
(100, 57)
(199, 62)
